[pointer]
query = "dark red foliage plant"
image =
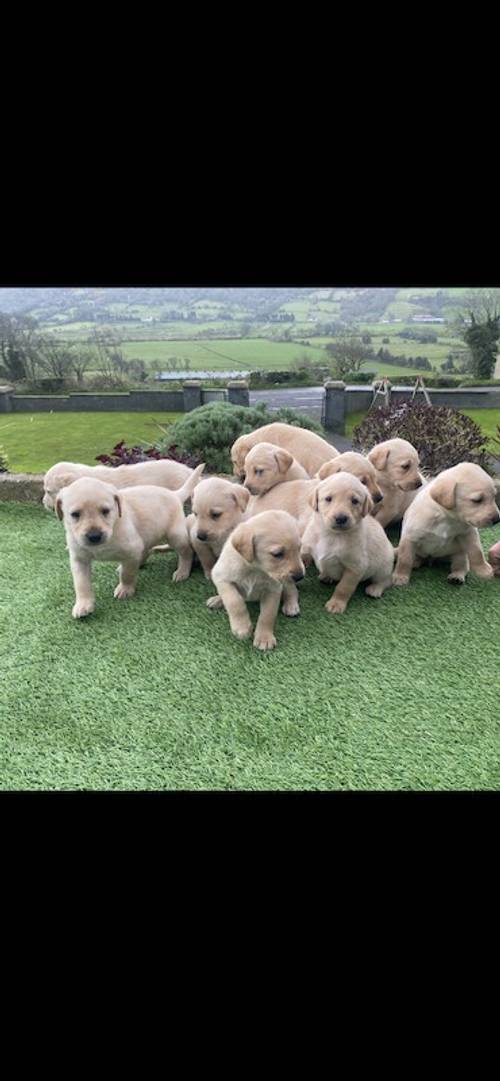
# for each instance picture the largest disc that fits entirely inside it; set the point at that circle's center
(122, 455)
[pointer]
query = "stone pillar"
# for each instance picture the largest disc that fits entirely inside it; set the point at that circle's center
(5, 400)
(335, 406)
(192, 394)
(237, 392)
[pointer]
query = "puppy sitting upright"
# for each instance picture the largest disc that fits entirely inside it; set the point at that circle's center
(396, 463)
(267, 465)
(259, 562)
(359, 466)
(218, 507)
(102, 523)
(346, 543)
(443, 520)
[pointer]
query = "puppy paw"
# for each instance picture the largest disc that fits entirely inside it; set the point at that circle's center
(215, 602)
(326, 579)
(291, 608)
(456, 579)
(485, 572)
(82, 608)
(336, 606)
(374, 590)
(123, 592)
(399, 579)
(180, 575)
(264, 640)
(241, 630)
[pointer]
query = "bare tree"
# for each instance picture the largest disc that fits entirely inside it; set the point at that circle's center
(347, 353)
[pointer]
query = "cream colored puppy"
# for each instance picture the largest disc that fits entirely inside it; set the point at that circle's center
(396, 464)
(267, 465)
(308, 449)
(163, 472)
(218, 507)
(444, 519)
(359, 466)
(102, 523)
(346, 543)
(259, 562)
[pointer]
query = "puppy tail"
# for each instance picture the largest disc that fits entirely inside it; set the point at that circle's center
(190, 485)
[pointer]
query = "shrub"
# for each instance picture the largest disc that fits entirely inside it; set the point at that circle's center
(4, 463)
(443, 437)
(359, 377)
(122, 455)
(209, 432)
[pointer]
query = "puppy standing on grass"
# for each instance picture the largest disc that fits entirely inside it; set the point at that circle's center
(396, 463)
(346, 543)
(259, 562)
(218, 507)
(102, 523)
(443, 520)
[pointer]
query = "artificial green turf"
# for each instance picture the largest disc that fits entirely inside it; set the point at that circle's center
(155, 693)
(35, 442)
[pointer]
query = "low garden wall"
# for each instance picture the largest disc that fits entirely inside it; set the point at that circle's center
(134, 401)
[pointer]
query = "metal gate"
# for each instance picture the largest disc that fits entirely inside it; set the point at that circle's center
(308, 400)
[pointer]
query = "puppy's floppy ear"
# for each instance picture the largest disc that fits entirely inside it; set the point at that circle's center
(367, 505)
(313, 499)
(242, 539)
(379, 457)
(118, 503)
(327, 469)
(241, 496)
(443, 491)
(283, 459)
(59, 510)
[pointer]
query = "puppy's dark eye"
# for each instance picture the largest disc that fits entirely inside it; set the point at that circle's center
(75, 514)
(328, 498)
(363, 480)
(105, 510)
(278, 555)
(215, 514)
(407, 466)
(259, 472)
(354, 501)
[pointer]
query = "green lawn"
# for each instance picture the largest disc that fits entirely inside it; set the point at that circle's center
(34, 443)
(155, 693)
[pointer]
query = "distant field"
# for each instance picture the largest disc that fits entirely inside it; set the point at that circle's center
(248, 354)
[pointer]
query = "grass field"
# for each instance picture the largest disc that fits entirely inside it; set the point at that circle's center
(219, 354)
(34, 443)
(155, 693)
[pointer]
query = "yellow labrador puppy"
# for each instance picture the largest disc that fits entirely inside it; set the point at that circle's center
(294, 495)
(444, 519)
(396, 463)
(218, 507)
(163, 472)
(346, 543)
(309, 449)
(259, 562)
(267, 465)
(106, 524)
(359, 466)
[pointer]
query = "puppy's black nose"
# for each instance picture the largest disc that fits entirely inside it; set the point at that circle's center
(202, 535)
(495, 521)
(297, 577)
(418, 483)
(378, 498)
(94, 537)
(341, 519)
